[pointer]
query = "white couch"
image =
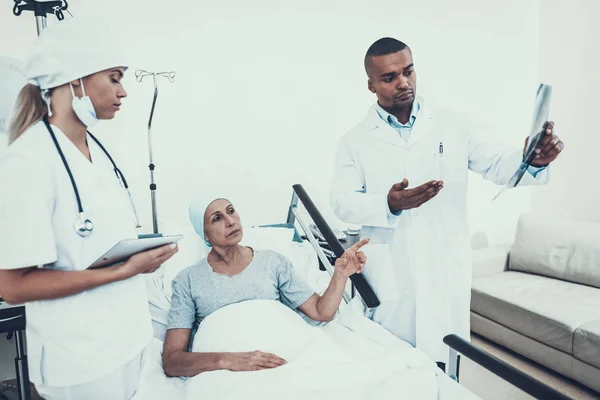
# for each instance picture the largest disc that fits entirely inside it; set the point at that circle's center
(540, 296)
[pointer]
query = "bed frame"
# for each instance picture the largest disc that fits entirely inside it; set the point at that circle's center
(360, 284)
(12, 321)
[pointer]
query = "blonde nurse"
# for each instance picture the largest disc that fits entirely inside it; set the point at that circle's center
(64, 203)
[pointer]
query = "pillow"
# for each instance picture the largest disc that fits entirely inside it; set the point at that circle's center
(566, 250)
(276, 239)
(265, 325)
(191, 250)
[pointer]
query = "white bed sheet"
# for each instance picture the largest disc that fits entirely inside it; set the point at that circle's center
(357, 335)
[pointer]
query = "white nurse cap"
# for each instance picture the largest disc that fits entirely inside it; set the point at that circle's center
(197, 209)
(71, 49)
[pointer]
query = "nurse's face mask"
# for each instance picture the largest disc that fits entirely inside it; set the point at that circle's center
(83, 107)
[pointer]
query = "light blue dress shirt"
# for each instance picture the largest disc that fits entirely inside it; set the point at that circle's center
(404, 130)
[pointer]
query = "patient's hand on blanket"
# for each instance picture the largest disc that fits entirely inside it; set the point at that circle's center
(177, 361)
(251, 361)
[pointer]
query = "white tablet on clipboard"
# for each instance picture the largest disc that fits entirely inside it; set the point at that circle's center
(121, 251)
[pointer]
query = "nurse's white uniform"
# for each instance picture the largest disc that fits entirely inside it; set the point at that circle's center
(85, 346)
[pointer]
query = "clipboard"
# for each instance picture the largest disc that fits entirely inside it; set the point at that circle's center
(121, 251)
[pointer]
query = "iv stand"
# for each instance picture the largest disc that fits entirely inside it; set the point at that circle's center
(140, 74)
(40, 10)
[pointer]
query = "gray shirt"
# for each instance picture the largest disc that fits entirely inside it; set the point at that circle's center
(198, 291)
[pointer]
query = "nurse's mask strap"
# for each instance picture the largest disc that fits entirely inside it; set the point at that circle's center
(46, 98)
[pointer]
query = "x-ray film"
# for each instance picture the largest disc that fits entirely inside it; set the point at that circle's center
(540, 116)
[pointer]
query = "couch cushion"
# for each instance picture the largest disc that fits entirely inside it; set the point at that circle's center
(586, 346)
(558, 249)
(545, 309)
(556, 360)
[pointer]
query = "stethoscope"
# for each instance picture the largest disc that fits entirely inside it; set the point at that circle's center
(82, 225)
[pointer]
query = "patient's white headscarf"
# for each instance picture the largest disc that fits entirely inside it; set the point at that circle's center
(71, 49)
(197, 210)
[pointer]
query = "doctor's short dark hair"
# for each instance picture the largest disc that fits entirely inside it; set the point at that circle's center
(383, 47)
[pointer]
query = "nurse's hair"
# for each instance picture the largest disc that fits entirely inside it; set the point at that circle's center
(29, 109)
(383, 47)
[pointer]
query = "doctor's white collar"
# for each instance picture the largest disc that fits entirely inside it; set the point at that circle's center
(393, 121)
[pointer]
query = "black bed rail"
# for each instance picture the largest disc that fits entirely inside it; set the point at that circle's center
(500, 368)
(358, 280)
(12, 321)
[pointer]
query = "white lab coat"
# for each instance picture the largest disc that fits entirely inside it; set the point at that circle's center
(424, 287)
(81, 338)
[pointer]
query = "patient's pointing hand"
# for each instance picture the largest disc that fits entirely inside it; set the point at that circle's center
(252, 361)
(352, 261)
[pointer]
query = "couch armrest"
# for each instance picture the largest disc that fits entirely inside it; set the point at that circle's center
(490, 260)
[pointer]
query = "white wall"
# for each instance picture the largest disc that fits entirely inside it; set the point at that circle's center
(264, 90)
(569, 61)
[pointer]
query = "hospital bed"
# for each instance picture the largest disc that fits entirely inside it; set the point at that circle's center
(456, 344)
(313, 259)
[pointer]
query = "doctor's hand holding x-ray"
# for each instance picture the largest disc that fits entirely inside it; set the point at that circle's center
(548, 149)
(401, 173)
(66, 204)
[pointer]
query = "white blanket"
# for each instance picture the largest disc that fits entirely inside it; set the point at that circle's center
(351, 358)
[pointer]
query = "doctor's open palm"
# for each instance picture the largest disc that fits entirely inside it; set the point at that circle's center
(352, 261)
(400, 198)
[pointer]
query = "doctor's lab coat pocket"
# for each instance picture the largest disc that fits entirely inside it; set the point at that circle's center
(379, 272)
(454, 166)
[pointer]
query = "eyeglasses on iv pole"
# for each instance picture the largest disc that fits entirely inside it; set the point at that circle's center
(83, 225)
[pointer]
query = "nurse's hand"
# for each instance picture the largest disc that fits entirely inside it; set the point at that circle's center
(400, 198)
(148, 261)
(252, 361)
(548, 149)
(352, 261)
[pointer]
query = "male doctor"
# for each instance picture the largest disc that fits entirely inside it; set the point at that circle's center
(401, 173)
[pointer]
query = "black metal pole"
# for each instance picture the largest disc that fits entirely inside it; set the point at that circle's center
(21, 367)
(358, 280)
(152, 166)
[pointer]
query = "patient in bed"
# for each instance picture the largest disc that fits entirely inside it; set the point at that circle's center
(231, 274)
